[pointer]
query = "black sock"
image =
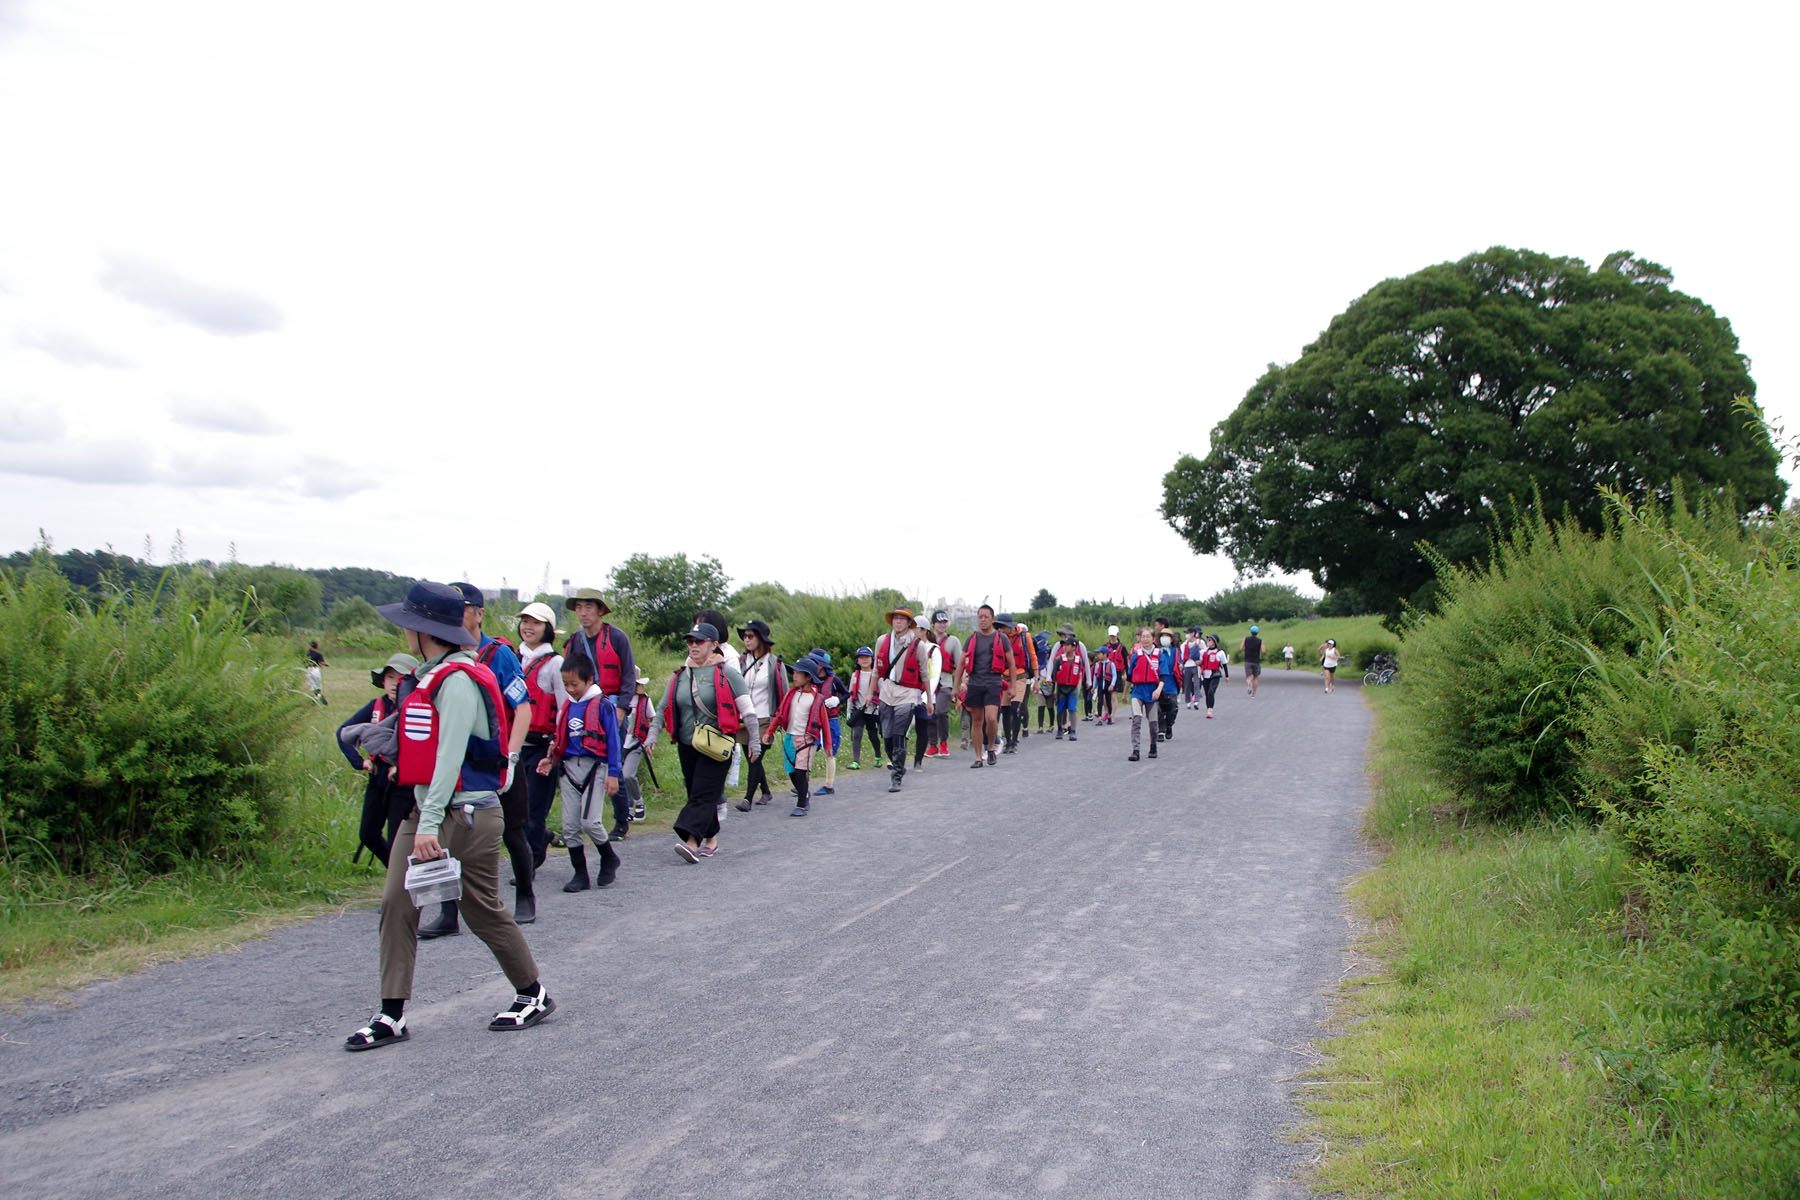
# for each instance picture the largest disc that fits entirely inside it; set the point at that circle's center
(393, 1009)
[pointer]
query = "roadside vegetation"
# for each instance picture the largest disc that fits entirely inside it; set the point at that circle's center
(1586, 921)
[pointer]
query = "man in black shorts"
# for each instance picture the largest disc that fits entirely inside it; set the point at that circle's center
(981, 675)
(1250, 652)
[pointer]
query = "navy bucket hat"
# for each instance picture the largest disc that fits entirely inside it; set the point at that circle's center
(431, 608)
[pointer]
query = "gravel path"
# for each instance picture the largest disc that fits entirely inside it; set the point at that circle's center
(1068, 974)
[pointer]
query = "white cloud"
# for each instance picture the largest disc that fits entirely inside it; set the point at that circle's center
(222, 416)
(213, 309)
(112, 461)
(72, 349)
(25, 421)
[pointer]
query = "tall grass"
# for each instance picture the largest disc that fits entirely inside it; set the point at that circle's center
(1507, 1038)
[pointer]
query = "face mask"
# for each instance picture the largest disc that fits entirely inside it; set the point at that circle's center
(1167, 640)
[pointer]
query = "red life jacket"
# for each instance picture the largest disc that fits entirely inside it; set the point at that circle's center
(947, 668)
(1146, 666)
(729, 722)
(485, 654)
(609, 668)
(856, 687)
(377, 714)
(1068, 666)
(1106, 673)
(818, 718)
(578, 716)
(1024, 654)
(1212, 660)
(911, 674)
(484, 758)
(640, 719)
(543, 701)
(997, 659)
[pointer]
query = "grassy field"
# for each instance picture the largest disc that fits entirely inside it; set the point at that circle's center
(1505, 1043)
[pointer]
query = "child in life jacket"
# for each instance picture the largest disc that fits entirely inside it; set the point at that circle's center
(588, 751)
(1143, 667)
(805, 725)
(864, 708)
(1213, 668)
(1067, 670)
(384, 802)
(640, 739)
(831, 695)
(1106, 679)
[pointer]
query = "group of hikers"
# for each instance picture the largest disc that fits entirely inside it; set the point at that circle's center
(472, 740)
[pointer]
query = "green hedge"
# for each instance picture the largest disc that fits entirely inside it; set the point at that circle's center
(1496, 677)
(141, 729)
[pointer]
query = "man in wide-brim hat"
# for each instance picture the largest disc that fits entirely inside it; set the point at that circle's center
(605, 645)
(899, 699)
(452, 815)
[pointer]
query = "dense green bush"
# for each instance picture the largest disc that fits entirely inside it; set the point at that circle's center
(1719, 823)
(1497, 676)
(146, 727)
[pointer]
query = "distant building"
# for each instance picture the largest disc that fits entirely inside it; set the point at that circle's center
(1172, 598)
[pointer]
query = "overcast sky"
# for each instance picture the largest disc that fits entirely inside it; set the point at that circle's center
(650, 266)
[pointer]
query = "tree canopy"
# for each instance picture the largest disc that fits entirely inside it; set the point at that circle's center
(665, 593)
(1436, 400)
(1258, 602)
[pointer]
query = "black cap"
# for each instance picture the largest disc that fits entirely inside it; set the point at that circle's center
(702, 632)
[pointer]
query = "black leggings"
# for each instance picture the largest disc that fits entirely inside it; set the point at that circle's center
(385, 803)
(1211, 686)
(1103, 708)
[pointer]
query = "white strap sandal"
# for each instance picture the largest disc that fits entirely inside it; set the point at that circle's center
(525, 1012)
(382, 1030)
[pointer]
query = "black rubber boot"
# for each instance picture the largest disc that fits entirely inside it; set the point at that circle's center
(445, 925)
(609, 865)
(578, 860)
(524, 906)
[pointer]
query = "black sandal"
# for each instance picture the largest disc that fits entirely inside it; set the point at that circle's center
(382, 1030)
(525, 1012)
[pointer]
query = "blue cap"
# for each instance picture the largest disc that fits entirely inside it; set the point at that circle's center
(819, 656)
(471, 595)
(863, 651)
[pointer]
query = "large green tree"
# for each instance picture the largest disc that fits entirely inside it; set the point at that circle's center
(665, 593)
(1437, 399)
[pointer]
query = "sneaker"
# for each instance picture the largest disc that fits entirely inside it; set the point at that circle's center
(686, 852)
(765, 797)
(1132, 757)
(708, 851)
(799, 811)
(742, 806)
(637, 812)
(991, 759)
(855, 766)
(825, 791)
(1071, 735)
(977, 763)
(1059, 735)
(619, 831)
(1209, 714)
(893, 787)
